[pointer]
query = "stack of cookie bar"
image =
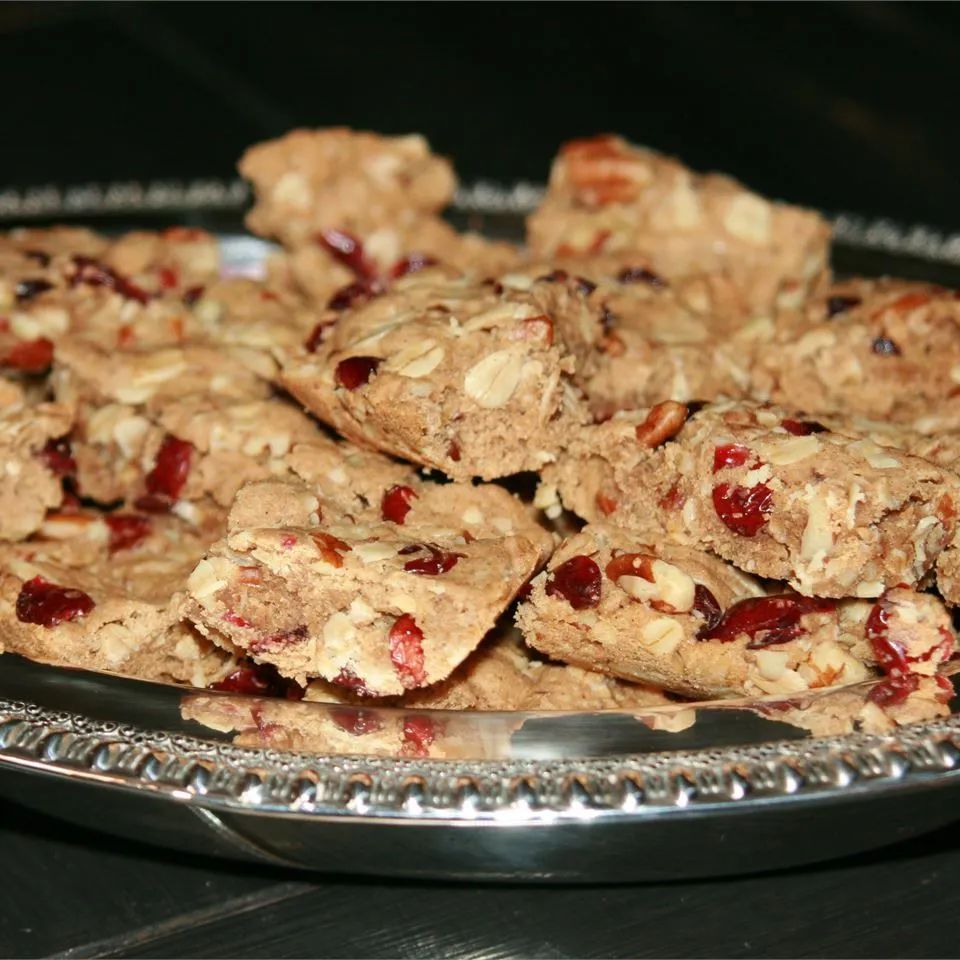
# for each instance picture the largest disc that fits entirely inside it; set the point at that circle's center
(307, 485)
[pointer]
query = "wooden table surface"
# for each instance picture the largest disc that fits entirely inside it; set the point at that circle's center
(841, 106)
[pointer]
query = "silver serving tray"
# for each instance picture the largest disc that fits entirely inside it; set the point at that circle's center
(600, 797)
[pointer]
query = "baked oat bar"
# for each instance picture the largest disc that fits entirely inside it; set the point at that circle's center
(886, 350)
(607, 196)
(473, 379)
(134, 291)
(34, 457)
(644, 609)
(356, 208)
(777, 495)
(692, 338)
(386, 601)
(101, 592)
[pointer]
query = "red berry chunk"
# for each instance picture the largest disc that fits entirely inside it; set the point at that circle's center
(766, 620)
(48, 604)
(258, 679)
(802, 428)
(412, 263)
(355, 721)
(31, 356)
(277, 641)
(170, 471)
(730, 455)
(577, 581)
(347, 678)
(353, 294)
(167, 277)
(894, 690)
(126, 530)
(58, 457)
(743, 510)
(640, 275)
(437, 562)
(396, 503)
(92, 273)
(419, 732)
(707, 607)
(406, 651)
(891, 655)
(348, 250)
(191, 295)
(837, 305)
(28, 289)
(356, 371)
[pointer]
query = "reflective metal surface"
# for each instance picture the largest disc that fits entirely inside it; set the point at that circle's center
(670, 792)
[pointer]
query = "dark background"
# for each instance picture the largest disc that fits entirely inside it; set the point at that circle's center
(841, 106)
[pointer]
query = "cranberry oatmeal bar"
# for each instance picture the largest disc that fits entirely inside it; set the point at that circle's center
(765, 459)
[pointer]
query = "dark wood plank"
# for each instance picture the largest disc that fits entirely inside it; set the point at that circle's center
(895, 903)
(62, 886)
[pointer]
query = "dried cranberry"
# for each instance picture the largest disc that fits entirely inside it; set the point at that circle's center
(837, 305)
(554, 276)
(58, 457)
(348, 250)
(92, 273)
(277, 641)
(707, 607)
(890, 653)
(438, 561)
(258, 679)
(330, 548)
(743, 510)
(355, 721)
(353, 294)
(318, 335)
(419, 733)
(412, 263)
(406, 651)
(28, 289)
(38, 256)
(396, 503)
(606, 505)
(31, 356)
(885, 347)
(49, 604)
(640, 275)
(577, 581)
(191, 295)
(946, 692)
(673, 499)
(766, 620)
(234, 619)
(126, 530)
(356, 371)
(802, 428)
(730, 455)
(165, 482)
(167, 278)
(893, 690)
(348, 679)
(453, 451)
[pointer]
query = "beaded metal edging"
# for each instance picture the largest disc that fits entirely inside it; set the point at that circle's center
(241, 779)
(483, 197)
